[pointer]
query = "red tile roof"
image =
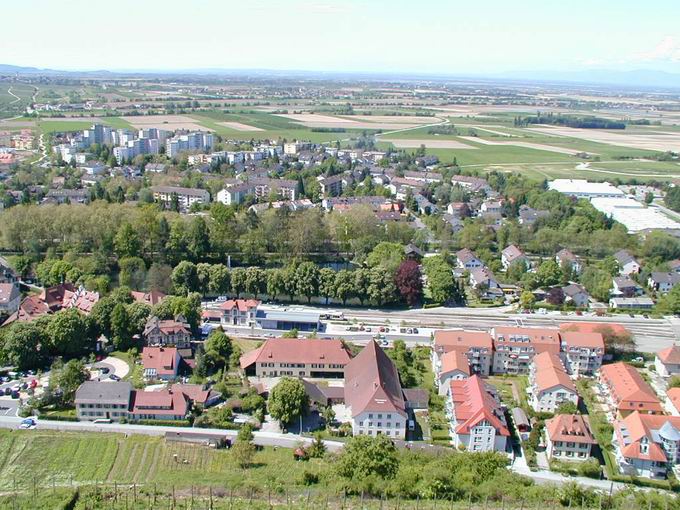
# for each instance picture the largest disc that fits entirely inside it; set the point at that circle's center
(150, 298)
(571, 428)
(629, 390)
(670, 355)
(674, 396)
(549, 373)
(163, 402)
(541, 339)
(293, 350)
(634, 427)
(372, 383)
(474, 403)
(243, 305)
(583, 339)
(446, 340)
(163, 359)
(455, 360)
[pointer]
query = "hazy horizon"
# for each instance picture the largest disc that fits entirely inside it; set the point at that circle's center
(431, 37)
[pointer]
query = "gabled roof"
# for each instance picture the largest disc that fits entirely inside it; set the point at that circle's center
(454, 361)
(163, 402)
(151, 298)
(573, 289)
(512, 253)
(670, 355)
(294, 350)
(372, 383)
(474, 403)
(466, 255)
(671, 277)
(549, 373)
(162, 359)
(624, 257)
(565, 254)
(573, 428)
(629, 389)
(242, 305)
(636, 426)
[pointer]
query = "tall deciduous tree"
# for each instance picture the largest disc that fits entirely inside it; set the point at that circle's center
(288, 400)
(408, 280)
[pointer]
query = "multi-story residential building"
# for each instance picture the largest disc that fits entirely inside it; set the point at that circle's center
(160, 363)
(373, 394)
(647, 445)
(293, 148)
(168, 332)
(196, 141)
(569, 437)
(549, 384)
(466, 259)
(627, 390)
(477, 421)
(565, 258)
(102, 400)
(453, 365)
(582, 352)
(159, 405)
(332, 186)
(186, 197)
(516, 347)
(512, 254)
(476, 345)
(474, 184)
(313, 358)
(239, 312)
(259, 187)
(667, 361)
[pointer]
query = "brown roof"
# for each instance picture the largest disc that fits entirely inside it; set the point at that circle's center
(549, 373)
(629, 390)
(150, 298)
(243, 305)
(670, 355)
(446, 340)
(293, 350)
(573, 428)
(163, 402)
(541, 339)
(372, 383)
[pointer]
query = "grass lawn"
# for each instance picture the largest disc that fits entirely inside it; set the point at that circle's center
(136, 373)
(246, 344)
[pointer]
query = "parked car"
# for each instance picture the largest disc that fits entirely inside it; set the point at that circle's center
(27, 423)
(102, 420)
(7, 391)
(114, 377)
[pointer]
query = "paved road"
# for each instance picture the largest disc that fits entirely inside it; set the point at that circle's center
(260, 438)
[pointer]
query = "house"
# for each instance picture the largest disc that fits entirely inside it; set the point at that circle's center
(309, 357)
(517, 346)
(512, 254)
(529, 216)
(569, 437)
(483, 277)
(473, 184)
(477, 421)
(577, 295)
(198, 394)
(582, 351)
(413, 252)
(168, 332)
(10, 298)
(632, 303)
(453, 365)
(159, 405)
(332, 186)
(674, 266)
(458, 209)
(624, 286)
(53, 299)
(627, 263)
(491, 207)
(647, 445)
(663, 282)
(565, 258)
(627, 390)
(151, 298)
(373, 394)
(239, 312)
(160, 363)
(667, 361)
(673, 401)
(466, 259)
(476, 345)
(103, 400)
(156, 168)
(7, 273)
(549, 384)
(185, 197)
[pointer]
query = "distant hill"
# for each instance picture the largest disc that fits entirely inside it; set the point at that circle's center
(636, 78)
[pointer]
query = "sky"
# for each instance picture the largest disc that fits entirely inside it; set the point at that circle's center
(410, 36)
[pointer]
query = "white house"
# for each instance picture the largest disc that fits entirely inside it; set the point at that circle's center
(663, 282)
(466, 259)
(452, 365)
(627, 263)
(667, 361)
(477, 421)
(512, 254)
(569, 437)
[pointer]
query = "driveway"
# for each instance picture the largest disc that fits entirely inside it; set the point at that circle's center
(115, 365)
